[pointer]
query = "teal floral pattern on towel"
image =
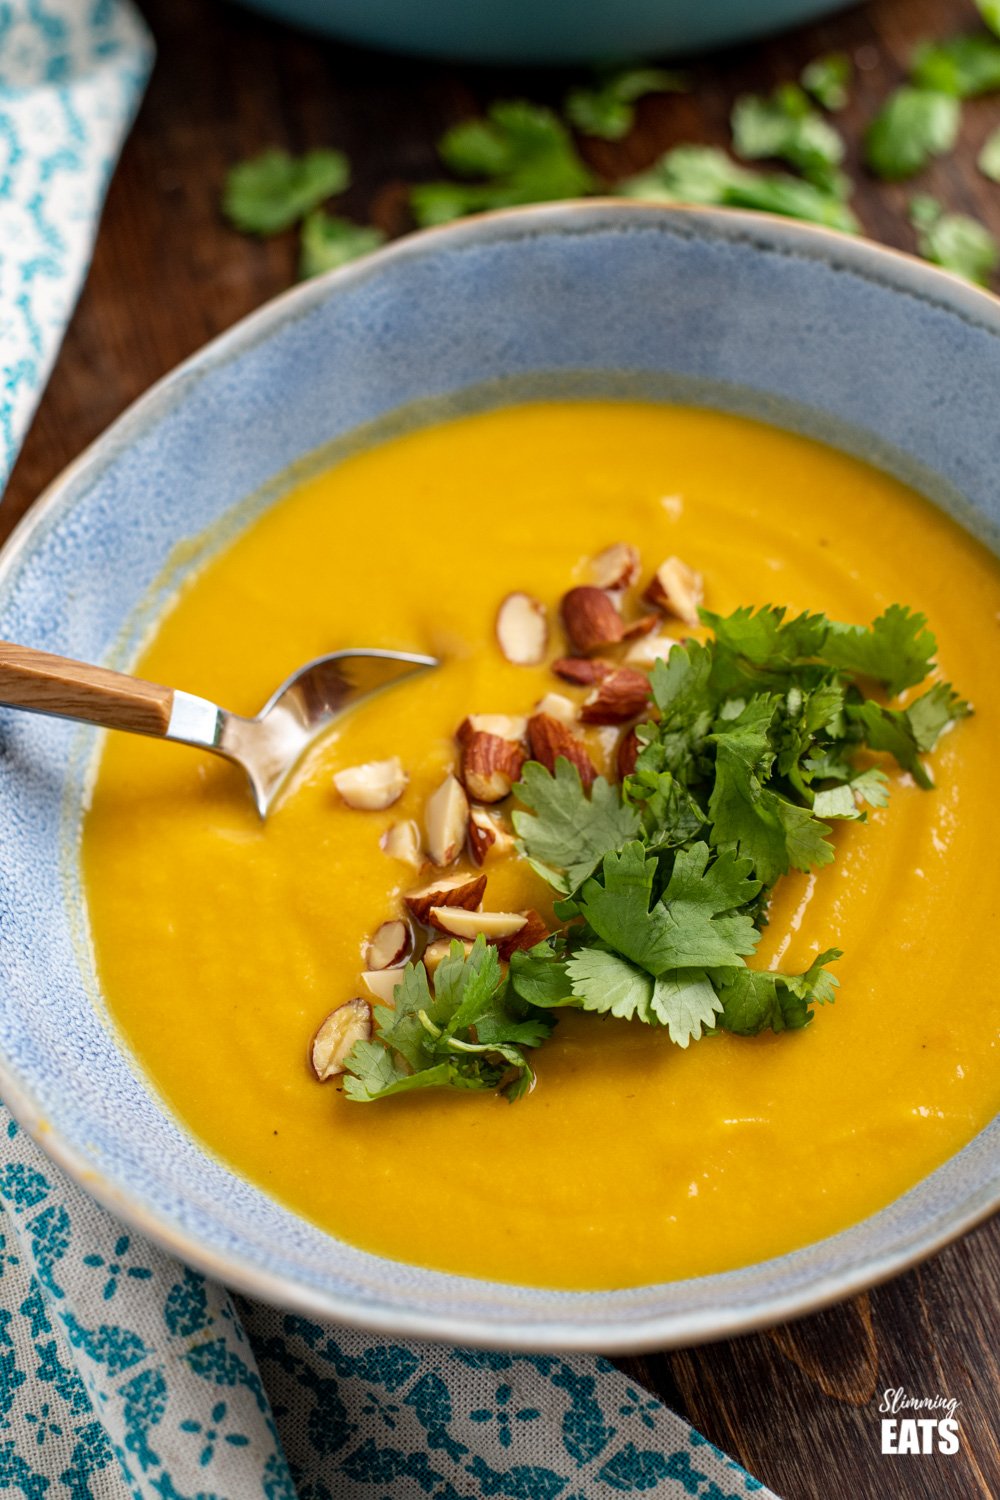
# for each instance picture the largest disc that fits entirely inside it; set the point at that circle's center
(71, 75)
(124, 1373)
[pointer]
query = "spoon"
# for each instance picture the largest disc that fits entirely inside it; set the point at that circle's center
(268, 747)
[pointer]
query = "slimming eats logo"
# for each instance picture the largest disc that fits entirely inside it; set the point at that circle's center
(933, 1430)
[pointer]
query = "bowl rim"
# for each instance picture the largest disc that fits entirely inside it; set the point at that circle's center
(895, 270)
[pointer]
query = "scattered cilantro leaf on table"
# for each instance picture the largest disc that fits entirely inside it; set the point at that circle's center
(914, 125)
(957, 242)
(828, 79)
(328, 242)
(785, 125)
(962, 65)
(607, 110)
(988, 160)
(524, 152)
(272, 191)
(990, 12)
(704, 174)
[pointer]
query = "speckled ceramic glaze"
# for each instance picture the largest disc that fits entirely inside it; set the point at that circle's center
(886, 357)
(547, 31)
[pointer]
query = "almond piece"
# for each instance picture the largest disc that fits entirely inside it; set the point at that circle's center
(620, 697)
(349, 1023)
(402, 842)
(445, 816)
(389, 946)
(469, 924)
(590, 619)
(382, 983)
(628, 754)
(581, 671)
(557, 706)
(458, 890)
(438, 950)
(522, 630)
(490, 766)
(676, 589)
(511, 727)
(372, 786)
(638, 628)
(487, 832)
(533, 931)
(617, 567)
(549, 739)
(650, 649)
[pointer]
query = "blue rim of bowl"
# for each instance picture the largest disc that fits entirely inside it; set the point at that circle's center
(895, 270)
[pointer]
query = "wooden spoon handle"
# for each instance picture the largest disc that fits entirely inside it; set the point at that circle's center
(71, 689)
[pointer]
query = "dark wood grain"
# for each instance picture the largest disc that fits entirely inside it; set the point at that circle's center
(797, 1404)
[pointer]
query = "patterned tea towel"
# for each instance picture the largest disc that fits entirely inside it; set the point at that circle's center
(71, 75)
(123, 1373)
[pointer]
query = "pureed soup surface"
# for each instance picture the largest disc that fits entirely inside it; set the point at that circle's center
(222, 942)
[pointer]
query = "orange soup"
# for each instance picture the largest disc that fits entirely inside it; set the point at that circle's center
(222, 941)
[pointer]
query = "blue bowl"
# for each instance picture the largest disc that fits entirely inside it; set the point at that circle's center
(527, 31)
(879, 354)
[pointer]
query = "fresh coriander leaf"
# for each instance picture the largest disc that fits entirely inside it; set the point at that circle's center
(990, 12)
(685, 1001)
(962, 65)
(828, 79)
(274, 190)
(565, 833)
(608, 983)
(607, 110)
(328, 242)
(786, 125)
(837, 802)
(375, 1073)
(618, 909)
(466, 987)
(934, 712)
(765, 638)
(704, 174)
(523, 149)
(872, 786)
(754, 1000)
(539, 977)
(989, 157)
(914, 125)
(897, 648)
(954, 241)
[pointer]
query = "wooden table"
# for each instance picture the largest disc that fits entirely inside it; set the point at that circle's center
(797, 1404)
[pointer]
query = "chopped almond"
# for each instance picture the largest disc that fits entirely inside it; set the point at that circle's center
(590, 619)
(382, 983)
(402, 842)
(650, 649)
(617, 567)
(533, 931)
(620, 697)
(628, 754)
(522, 630)
(557, 706)
(372, 786)
(469, 924)
(676, 589)
(580, 670)
(511, 727)
(445, 817)
(638, 628)
(457, 890)
(490, 766)
(487, 832)
(549, 739)
(349, 1023)
(440, 949)
(389, 945)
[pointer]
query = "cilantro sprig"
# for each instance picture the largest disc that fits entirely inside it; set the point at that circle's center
(762, 740)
